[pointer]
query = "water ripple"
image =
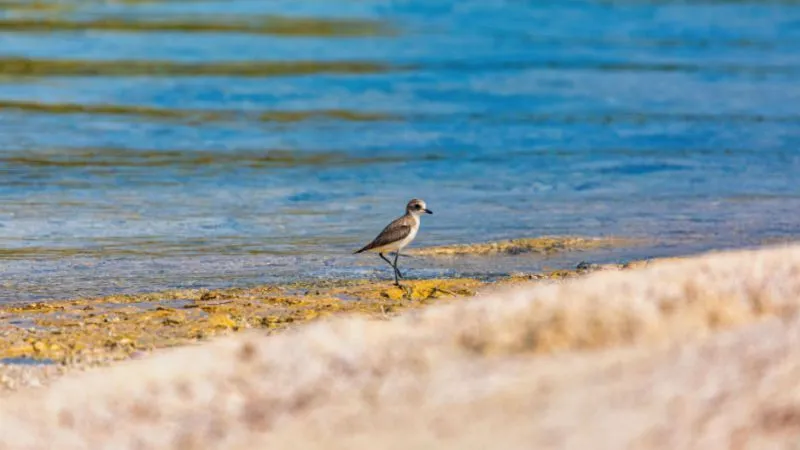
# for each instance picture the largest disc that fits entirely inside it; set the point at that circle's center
(157, 143)
(266, 25)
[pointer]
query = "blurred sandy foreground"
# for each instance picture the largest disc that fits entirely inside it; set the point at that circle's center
(702, 353)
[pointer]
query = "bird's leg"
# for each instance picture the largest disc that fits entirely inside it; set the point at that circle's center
(386, 259)
(393, 267)
(397, 255)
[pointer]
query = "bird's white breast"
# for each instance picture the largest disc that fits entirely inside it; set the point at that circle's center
(410, 236)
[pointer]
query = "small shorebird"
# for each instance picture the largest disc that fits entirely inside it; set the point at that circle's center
(398, 234)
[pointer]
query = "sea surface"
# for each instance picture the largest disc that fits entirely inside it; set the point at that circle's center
(147, 145)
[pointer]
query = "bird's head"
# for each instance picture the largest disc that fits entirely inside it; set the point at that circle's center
(417, 207)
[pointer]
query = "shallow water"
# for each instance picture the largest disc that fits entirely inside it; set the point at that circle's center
(23, 361)
(155, 144)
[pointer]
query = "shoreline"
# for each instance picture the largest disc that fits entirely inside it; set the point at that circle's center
(44, 340)
(66, 278)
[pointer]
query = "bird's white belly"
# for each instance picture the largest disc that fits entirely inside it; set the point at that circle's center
(398, 245)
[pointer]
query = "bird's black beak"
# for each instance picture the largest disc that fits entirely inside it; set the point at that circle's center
(429, 211)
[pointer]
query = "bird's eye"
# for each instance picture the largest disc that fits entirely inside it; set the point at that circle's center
(418, 206)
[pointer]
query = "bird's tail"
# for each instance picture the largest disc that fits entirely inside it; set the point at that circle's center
(369, 246)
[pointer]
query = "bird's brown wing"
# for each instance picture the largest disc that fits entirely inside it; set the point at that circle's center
(395, 231)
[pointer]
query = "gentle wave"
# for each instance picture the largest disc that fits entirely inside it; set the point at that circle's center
(284, 116)
(195, 115)
(118, 157)
(174, 247)
(29, 67)
(153, 249)
(269, 25)
(14, 161)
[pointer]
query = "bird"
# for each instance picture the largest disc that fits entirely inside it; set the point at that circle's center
(398, 234)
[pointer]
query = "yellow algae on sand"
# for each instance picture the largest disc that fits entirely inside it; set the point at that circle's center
(115, 327)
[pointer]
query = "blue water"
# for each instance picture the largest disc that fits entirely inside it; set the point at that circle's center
(137, 159)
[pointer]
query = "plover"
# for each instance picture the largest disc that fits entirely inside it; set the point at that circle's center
(398, 234)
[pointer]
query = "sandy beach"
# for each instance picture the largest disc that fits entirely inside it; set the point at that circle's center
(45, 339)
(697, 352)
